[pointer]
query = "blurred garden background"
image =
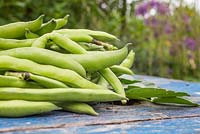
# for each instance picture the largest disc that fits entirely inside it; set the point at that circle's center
(165, 33)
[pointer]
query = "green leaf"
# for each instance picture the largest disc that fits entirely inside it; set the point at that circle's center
(137, 92)
(174, 101)
(128, 81)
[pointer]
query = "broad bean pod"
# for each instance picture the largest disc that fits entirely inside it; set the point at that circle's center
(30, 35)
(119, 70)
(61, 22)
(128, 62)
(47, 27)
(103, 82)
(64, 75)
(60, 94)
(77, 107)
(43, 81)
(14, 43)
(114, 82)
(61, 41)
(96, 34)
(17, 29)
(95, 60)
(9, 81)
(44, 56)
(21, 108)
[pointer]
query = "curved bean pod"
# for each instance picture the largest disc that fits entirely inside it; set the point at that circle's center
(64, 75)
(17, 29)
(95, 60)
(92, 61)
(77, 107)
(44, 81)
(128, 62)
(44, 56)
(14, 43)
(21, 108)
(96, 34)
(103, 82)
(47, 27)
(61, 41)
(114, 82)
(56, 48)
(61, 22)
(59, 94)
(79, 37)
(9, 81)
(119, 70)
(30, 35)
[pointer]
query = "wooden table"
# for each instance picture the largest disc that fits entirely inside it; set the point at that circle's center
(140, 118)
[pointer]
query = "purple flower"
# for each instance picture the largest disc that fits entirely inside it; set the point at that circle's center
(154, 3)
(190, 43)
(142, 9)
(163, 8)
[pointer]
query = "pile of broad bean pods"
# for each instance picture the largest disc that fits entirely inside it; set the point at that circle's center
(45, 68)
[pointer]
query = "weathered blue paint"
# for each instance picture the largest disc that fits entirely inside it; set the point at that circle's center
(139, 118)
(171, 126)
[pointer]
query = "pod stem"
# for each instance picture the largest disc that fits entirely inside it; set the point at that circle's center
(105, 45)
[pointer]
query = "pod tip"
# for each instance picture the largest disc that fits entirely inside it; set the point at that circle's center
(94, 113)
(66, 16)
(123, 102)
(53, 20)
(41, 16)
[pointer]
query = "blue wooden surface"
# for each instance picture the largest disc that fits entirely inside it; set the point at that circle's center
(139, 118)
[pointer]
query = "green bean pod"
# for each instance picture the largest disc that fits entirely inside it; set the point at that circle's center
(64, 75)
(61, 41)
(92, 61)
(119, 70)
(14, 43)
(47, 27)
(43, 81)
(95, 60)
(79, 37)
(17, 29)
(77, 107)
(56, 48)
(60, 94)
(103, 82)
(30, 35)
(114, 82)
(44, 56)
(61, 22)
(103, 36)
(21, 108)
(128, 62)
(9, 81)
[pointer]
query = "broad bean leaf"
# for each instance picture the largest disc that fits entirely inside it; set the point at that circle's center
(173, 101)
(137, 92)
